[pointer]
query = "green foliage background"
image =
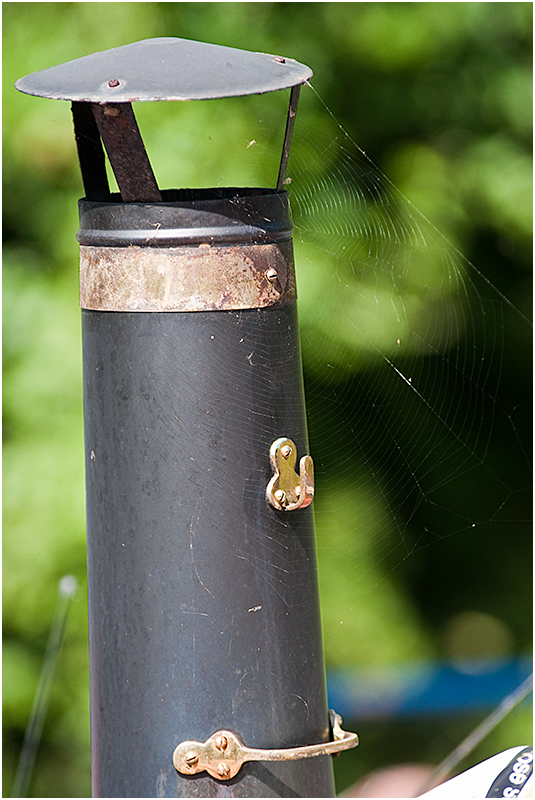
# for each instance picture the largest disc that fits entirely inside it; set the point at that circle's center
(439, 95)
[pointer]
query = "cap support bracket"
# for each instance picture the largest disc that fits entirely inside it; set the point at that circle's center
(90, 153)
(130, 163)
(290, 121)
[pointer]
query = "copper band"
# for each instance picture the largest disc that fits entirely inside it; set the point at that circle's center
(200, 278)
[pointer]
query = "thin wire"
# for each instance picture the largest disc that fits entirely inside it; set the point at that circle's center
(67, 589)
(473, 739)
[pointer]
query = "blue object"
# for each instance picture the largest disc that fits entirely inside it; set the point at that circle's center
(403, 690)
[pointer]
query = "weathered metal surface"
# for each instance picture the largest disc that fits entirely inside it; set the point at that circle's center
(130, 163)
(223, 755)
(200, 278)
(165, 69)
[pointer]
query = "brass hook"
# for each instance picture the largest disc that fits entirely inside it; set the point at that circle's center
(287, 490)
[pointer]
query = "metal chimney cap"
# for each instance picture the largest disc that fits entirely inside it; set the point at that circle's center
(165, 69)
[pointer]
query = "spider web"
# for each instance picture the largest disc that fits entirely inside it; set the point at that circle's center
(406, 348)
(404, 342)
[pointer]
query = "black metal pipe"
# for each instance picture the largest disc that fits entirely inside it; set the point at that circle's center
(203, 599)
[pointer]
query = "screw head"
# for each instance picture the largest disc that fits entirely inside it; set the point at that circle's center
(221, 742)
(113, 83)
(271, 274)
(280, 496)
(223, 770)
(191, 758)
(286, 451)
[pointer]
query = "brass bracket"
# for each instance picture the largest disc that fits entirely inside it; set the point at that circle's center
(287, 490)
(222, 755)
